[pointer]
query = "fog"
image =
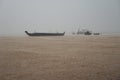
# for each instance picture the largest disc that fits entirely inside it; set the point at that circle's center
(16, 16)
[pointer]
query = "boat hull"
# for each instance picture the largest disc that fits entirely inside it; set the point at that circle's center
(44, 34)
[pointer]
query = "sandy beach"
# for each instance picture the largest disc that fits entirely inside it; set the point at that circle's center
(60, 58)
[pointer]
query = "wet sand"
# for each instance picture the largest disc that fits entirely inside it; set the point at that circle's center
(60, 58)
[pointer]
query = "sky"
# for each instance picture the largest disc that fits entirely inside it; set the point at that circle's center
(16, 16)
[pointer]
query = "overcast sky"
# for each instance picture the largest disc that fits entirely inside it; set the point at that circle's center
(16, 16)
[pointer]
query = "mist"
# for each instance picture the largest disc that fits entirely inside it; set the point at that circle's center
(16, 16)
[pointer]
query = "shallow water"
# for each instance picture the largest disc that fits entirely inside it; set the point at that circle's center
(60, 58)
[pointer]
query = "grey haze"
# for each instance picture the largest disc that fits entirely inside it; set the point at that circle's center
(16, 16)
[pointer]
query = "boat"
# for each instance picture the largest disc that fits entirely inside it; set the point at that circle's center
(87, 33)
(96, 33)
(45, 34)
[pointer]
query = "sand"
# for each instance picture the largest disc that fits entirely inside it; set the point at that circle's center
(60, 58)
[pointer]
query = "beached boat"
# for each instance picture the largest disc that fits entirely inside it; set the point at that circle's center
(44, 34)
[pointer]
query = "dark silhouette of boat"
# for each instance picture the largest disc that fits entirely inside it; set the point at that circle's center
(87, 33)
(96, 33)
(45, 34)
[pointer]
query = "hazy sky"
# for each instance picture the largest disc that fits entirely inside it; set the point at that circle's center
(16, 16)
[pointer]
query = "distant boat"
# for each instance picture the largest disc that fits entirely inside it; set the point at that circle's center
(45, 34)
(88, 33)
(96, 33)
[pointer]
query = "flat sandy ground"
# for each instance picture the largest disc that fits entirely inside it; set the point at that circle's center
(60, 58)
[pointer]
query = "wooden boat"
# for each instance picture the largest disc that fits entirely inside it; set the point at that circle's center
(44, 34)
